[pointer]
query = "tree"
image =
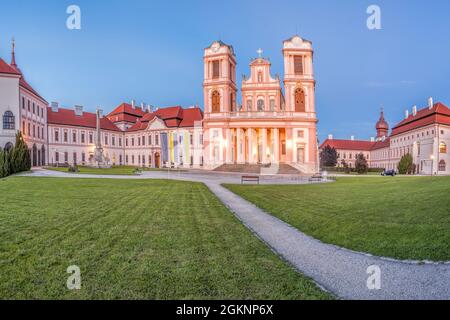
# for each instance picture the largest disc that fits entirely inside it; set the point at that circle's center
(328, 157)
(2, 163)
(405, 166)
(5, 163)
(345, 166)
(361, 165)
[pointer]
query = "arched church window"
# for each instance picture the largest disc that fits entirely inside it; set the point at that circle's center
(442, 147)
(8, 121)
(8, 146)
(215, 102)
(260, 105)
(300, 100)
(442, 165)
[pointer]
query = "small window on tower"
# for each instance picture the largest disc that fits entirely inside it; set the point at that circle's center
(216, 69)
(298, 65)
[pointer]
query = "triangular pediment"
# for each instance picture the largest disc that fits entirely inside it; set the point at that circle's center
(156, 124)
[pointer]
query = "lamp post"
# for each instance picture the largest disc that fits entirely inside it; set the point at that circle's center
(432, 162)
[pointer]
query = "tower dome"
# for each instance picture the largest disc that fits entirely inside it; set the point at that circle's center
(382, 126)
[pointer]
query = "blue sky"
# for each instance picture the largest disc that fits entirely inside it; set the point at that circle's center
(151, 51)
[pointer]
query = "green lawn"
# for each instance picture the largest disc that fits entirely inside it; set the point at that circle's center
(402, 217)
(133, 240)
(115, 170)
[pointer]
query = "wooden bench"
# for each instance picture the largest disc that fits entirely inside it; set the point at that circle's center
(249, 179)
(316, 178)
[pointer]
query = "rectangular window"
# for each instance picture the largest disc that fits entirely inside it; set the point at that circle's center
(132, 143)
(29, 105)
(157, 140)
(34, 131)
(216, 69)
(106, 140)
(120, 144)
(191, 139)
(91, 138)
(83, 157)
(66, 157)
(74, 137)
(143, 140)
(283, 148)
(82, 138)
(23, 103)
(272, 105)
(65, 136)
(34, 108)
(56, 135)
(113, 141)
(150, 140)
(139, 141)
(298, 65)
(56, 156)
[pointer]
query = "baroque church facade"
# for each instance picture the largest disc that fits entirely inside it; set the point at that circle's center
(269, 127)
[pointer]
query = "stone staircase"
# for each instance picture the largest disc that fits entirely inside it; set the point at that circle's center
(282, 168)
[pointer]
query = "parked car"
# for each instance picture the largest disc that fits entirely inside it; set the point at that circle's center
(391, 173)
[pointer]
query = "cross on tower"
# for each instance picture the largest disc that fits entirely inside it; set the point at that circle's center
(259, 51)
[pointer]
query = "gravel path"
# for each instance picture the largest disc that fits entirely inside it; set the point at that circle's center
(342, 272)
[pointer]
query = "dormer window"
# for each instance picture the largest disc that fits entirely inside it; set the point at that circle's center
(298, 65)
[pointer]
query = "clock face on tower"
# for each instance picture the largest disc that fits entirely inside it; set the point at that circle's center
(215, 47)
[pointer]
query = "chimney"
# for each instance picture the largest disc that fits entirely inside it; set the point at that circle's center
(352, 138)
(100, 111)
(330, 137)
(133, 104)
(142, 106)
(372, 139)
(430, 103)
(406, 114)
(78, 110)
(149, 108)
(414, 111)
(55, 106)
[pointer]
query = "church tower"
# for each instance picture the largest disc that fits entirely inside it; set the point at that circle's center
(219, 86)
(299, 80)
(382, 127)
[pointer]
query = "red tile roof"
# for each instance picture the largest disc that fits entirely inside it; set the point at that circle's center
(24, 84)
(69, 118)
(359, 145)
(440, 113)
(172, 116)
(6, 68)
(126, 108)
(382, 144)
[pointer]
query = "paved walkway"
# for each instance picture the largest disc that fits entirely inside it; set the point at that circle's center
(340, 271)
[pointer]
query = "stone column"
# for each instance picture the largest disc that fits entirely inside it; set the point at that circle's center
(264, 145)
(228, 146)
(239, 146)
(250, 145)
(276, 148)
